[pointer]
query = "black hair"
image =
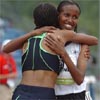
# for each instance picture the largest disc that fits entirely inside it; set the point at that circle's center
(68, 2)
(45, 15)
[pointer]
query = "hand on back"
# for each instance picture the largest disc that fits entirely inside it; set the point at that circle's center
(55, 43)
(85, 52)
(44, 29)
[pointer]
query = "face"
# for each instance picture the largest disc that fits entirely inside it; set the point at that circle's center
(68, 17)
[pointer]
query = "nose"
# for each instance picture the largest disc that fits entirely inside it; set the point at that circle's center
(70, 19)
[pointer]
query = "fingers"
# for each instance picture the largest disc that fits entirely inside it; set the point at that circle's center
(50, 37)
(54, 40)
(50, 31)
(49, 43)
(49, 40)
(58, 37)
(87, 55)
(52, 28)
(86, 51)
(85, 48)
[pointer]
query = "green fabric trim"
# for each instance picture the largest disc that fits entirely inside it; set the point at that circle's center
(25, 58)
(64, 81)
(34, 52)
(40, 36)
(17, 97)
(27, 50)
(27, 46)
(44, 60)
(42, 47)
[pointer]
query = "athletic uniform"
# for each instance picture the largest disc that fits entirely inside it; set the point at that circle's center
(66, 88)
(36, 58)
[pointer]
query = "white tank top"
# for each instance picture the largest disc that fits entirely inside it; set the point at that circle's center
(65, 83)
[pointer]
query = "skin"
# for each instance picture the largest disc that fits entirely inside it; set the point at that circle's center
(68, 19)
(69, 16)
(82, 60)
(40, 77)
(18, 42)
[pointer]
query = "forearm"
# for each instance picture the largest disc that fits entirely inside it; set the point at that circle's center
(82, 65)
(17, 43)
(68, 35)
(75, 72)
(85, 39)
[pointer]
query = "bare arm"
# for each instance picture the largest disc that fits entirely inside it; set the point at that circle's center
(68, 35)
(79, 38)
(85, 39)
(80, 69)
(18, 42)
(59, 49)
(82, 59)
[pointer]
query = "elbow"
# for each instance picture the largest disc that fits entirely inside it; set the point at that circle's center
(80, 81)
(5, 46)
(95, 41)
(4, 50)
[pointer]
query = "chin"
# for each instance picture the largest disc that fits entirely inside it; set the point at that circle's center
(68, 28)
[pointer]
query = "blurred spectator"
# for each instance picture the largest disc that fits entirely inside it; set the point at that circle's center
(2, 33)
(91, 80)
(6, 27)
(8, 72)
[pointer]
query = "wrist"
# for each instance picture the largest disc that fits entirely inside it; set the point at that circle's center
(63, 54)
(82, 62)
(32, 33)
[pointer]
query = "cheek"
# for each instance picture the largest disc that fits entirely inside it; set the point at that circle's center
(61, 20)
(75, 22)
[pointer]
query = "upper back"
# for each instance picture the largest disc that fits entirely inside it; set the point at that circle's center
(37, 58)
